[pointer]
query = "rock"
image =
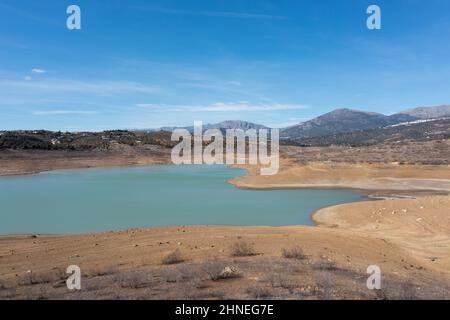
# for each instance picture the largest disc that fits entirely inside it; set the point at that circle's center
(230, 272)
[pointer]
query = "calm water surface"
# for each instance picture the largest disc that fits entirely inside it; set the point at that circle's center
(91, 200)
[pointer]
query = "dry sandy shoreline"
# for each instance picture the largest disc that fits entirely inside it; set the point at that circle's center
(408, 237)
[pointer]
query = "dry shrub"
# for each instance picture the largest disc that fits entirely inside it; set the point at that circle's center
(397, 290)
(173, 258)
(217, 270)
(32, 278)
(325, 265)
(281, 280)
(259, 292)
(189, 290)
(294, 253)
(181, 273)
(134, 280)
(8, 293)
(325, 284)
(100, 272)
(242, 249)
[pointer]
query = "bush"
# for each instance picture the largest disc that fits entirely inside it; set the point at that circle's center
(217, 270)
(242, 249)
(325, 265)
(294, 253)
(281, 280)
(259, 292)
(134, 280)
(173, 258)
(181, 273)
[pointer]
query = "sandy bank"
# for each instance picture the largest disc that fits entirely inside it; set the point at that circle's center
(349, 175)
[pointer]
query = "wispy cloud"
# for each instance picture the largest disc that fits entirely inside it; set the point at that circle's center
(38, 70)
(94, 87)
(62, 112)
(223, 14)
(224, 107)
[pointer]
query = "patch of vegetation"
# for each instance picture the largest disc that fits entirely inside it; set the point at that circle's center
(242, 249)
(80, 141)
(218, 270)
(173, 258)
(293, 253)
(259, 292)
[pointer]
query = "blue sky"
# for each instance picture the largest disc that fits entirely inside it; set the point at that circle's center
(143, 64)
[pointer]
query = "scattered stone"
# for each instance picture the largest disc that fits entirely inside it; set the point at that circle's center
(230, 272)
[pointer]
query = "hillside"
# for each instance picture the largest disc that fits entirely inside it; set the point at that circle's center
(428, 112)
(81, 141)
(420, 131)
(342, 120)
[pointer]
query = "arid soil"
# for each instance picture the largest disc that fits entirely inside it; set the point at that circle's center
(408, 238)
(365, 176)
(14, 162)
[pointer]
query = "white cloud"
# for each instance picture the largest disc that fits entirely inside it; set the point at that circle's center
(225, 107)
(95, 87)
(27, 78)
(62, 112)
(39, 71)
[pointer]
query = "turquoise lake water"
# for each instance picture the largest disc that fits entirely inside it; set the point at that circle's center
(91, 200)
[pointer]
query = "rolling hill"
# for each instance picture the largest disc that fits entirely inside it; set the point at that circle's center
(342, 120)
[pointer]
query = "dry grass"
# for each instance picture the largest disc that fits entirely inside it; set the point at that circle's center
(218, 270)
(32, 278)
(100, 272)
(242, 249)
(134, 280)
(325, 265)
(260, 292)
(294, 253)
(181, 273)
(281, 280)
(173, 258)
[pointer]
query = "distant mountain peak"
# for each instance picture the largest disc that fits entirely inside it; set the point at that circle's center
(339, 121)
(223, 125)
(428, 112)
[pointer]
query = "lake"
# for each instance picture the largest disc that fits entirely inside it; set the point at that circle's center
(92, 200)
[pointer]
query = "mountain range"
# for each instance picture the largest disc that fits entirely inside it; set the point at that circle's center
(224, 125)
(339, 127)
(347, 120)
(338, 121)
